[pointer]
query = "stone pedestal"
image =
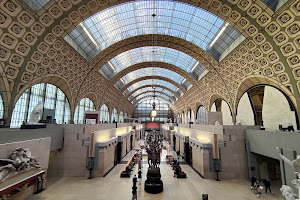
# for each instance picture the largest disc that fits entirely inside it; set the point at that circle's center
(33, 126)
(153, 184)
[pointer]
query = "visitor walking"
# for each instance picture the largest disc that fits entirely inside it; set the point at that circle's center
(267, 184)
(178, 155)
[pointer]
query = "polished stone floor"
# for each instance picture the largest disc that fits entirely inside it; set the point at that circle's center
(112, 187)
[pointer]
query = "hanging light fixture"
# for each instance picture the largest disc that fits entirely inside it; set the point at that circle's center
(153, 112)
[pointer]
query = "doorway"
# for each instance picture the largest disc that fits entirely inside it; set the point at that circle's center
(174, 142)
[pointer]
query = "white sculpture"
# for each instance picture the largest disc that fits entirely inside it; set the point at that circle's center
(217, 122)
(19, 160)
(296, 165)
(35, 114)
(287, 192)
(238, 123)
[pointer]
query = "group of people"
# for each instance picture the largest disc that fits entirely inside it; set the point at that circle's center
(257, 188)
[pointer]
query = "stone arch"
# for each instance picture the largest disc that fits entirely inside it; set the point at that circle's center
(93, 97)
(198, 104)
(253, 82)
(149, 92)
(167, 101)
(152, 77)
(157, 86)
(163, 65)
(215, 97)
(56, 80)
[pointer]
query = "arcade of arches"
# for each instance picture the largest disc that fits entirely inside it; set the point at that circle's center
(101, 66)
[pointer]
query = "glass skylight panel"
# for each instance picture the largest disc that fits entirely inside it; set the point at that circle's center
(151, 94)
(153, 82)
(126, 92)
(147, 54)
(148, 99)
(152, 71)
(157, 89)
(134, 18)
(119, 84)
(36, 4)
(141, 99)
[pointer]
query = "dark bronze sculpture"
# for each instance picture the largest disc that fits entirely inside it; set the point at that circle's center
(153, 144)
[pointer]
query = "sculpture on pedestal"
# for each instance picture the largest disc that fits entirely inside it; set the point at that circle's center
(153, 144)
(35, 114)
(287, 191)
(18, 161)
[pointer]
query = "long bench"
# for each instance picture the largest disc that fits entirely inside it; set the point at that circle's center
(126, 172)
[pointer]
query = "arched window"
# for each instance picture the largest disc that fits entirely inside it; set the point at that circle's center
(189, 116)
(54, 100)
(178, 118)
(222, 106)
(267, 104)
(104, 114)
(114, 115)
(143, 110)
(85, 104)
(121, 118)
(1, 107)
(201, 115)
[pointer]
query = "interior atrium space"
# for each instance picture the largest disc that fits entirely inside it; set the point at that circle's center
(149, 99)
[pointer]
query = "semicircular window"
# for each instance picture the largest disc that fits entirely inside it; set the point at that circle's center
(144, 107)
(164, 17)
(153, 71)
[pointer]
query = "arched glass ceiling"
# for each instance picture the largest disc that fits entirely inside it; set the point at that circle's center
(151, 99)
(148, 54)
(146, 89)
(148, 97)
(152, 71)
(134, 18)
(152, 82)
(151, 93)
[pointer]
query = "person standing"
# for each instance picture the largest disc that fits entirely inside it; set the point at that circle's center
(267, 184)
(140, 176)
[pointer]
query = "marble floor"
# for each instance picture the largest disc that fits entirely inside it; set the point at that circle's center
(112, 187)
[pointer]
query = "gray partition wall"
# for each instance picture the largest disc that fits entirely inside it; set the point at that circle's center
(265, 142)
